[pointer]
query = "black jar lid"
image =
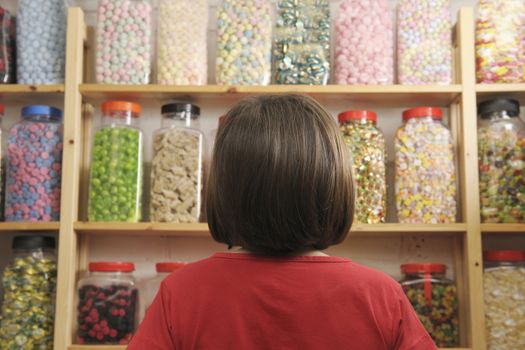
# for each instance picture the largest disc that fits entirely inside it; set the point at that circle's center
(180, 107)
(486, 108)
(33, 242)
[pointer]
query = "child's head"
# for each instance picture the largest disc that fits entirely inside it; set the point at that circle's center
(280, 180)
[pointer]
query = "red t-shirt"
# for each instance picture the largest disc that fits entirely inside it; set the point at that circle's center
(240, 301)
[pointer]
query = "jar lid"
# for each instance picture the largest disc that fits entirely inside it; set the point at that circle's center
(421, 112)
(169, 266)
(504, 255)
(180, 107)
(424, 268)
(33, 242)
(117, 266)
(123, 106)
(486, 108)
(2, 109)
(54, 113)
(357, 115)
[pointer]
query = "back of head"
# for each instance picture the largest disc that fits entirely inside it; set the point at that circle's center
(280, 179)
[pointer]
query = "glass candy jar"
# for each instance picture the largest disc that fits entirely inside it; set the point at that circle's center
(501, 155)
(115, 188)
(504, 294)
(163, 269)
(425, 174)
(107, 304)
(434, 299)
(34, 165)
(177, 166)
(367, 147)
(29, 283)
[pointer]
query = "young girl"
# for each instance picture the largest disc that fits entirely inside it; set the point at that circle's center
(280, 188)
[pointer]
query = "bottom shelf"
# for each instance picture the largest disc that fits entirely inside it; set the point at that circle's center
(123, 347)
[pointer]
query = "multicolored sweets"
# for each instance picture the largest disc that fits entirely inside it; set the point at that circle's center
(115, 188)
(34, 166)
(434, 299)
(500, 41)
(244, 42)
(424, 42)
(41, 41)
(29, 283)
(425, 174)
(367, 148)
(364, 43)
(124, 42)
(7, 47)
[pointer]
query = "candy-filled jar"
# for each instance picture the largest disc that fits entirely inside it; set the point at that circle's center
(301, 50)
(364, 43)
(34, 165)
(425, 174)
(108, 302)
(152, 285)
(501, 155)
(29, 283)
(124, 42)
(177, 166)
(41, 44)
(366, 144)
(504, 295)
(424, 42)
(500, 41)
(182, 42)
(7, 46)
(115, 188)
(434, 298)
(244, 42)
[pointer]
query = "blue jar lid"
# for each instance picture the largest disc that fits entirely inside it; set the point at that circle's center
(54, 113)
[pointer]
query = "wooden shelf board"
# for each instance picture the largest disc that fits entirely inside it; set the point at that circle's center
(29, 226)
(381, 229)
(488, 91)
(122, 347)
(392, 95)
(16, 89)
(503, 228)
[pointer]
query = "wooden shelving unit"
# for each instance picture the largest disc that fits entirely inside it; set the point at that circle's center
(503, 228)
(28, 226)
(15, 89)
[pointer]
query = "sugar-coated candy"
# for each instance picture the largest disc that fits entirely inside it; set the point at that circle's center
(424, 42)
(425, 174)
(7, 46)
(244, 42)
(182, 46)
(302, 42)
(41, 41)
(364, 43)
(124, 42)
(34, 166)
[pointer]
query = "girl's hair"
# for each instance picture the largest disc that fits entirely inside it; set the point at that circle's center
(281, 178)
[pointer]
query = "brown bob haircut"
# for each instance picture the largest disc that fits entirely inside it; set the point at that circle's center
(280, 180)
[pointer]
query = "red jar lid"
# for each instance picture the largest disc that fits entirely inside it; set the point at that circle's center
(122, 106)
(504, 255)
(423, 268)
(169, 266)
(105, 266)
(357, 115)
(421, 112)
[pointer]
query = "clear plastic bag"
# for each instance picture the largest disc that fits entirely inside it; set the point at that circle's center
(7, 46)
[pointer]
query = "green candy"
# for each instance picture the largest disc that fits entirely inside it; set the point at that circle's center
(115, 191)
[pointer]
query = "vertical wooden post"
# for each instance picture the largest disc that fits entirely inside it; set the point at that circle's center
(67, 247)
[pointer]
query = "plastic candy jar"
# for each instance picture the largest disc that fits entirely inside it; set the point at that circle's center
(501, 154)
(115, 188)
(244, 42)
(41, 44)
(29, 283)
(302, 42)
(504, 287)
(153, 284)
(177, 166)
(124, 42)
(424, 42)
(34, 165)
(364, 43)
(434, 299)
(182, 43)
(367, 147)
(107, 304)
(7, 46)
(425, 168)
(500, 41)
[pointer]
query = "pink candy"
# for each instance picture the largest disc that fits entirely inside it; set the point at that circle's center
(364, 43)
